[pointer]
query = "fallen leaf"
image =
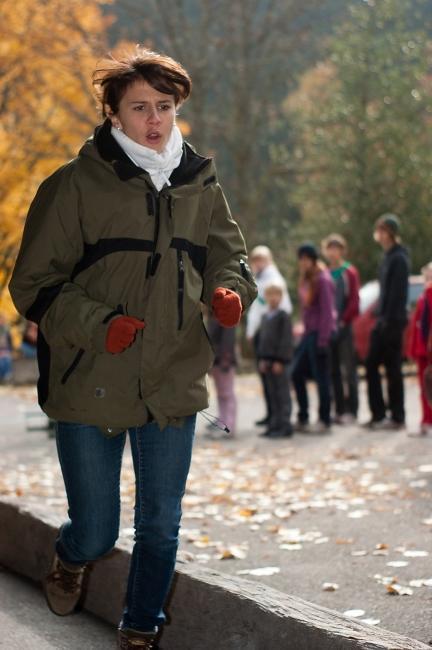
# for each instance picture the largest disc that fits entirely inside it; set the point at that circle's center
(330, 586)
(185, 556)
(291, 547)
(427, 522)
(421, 582)
(382, 488)
(399, 590)
(247, 512)
(280, 513)
(290, 534)
(273, 529)
(232, 553)
(414, 553)
(371, 621)
(263, 571)
(203, 542)
(357, 514)
(354, 613)
(418, 484)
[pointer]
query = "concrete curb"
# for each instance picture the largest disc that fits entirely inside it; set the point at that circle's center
(208, 610)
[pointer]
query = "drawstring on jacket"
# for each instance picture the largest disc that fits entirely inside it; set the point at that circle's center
(214, 421)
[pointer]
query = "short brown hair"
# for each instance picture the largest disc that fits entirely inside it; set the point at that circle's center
(274, 286)
(113, 76)
(334, 240)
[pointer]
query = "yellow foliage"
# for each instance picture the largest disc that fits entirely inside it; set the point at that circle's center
(184, 127)
(47, 52)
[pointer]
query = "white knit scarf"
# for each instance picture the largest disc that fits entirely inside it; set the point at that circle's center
(159, 165)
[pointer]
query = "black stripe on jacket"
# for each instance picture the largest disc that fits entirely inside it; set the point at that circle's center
(94, 252)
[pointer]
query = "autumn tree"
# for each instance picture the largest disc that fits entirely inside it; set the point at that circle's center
(47, 52)
(365, 141)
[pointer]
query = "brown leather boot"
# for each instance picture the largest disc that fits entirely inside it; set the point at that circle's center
(133, 640)
(64, 586)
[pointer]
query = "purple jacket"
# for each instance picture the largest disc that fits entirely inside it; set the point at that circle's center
(320, 316)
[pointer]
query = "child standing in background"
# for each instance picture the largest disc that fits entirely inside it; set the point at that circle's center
(312, 356)
(343, 355)
(265, 272)
(420, 348)
(223, 373)
(274, 355)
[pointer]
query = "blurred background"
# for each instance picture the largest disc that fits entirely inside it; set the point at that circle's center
(318, 111)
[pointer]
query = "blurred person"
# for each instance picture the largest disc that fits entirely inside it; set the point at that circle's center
(6, 348)
(274, 355)
(312, 356)
(386, 340)
(29, 340)
(223, 340)
(265, 271)
(343, 354)
(420, 346)
(120, 247)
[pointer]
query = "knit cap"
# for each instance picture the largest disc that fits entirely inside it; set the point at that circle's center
(389, 222)
(308, 249)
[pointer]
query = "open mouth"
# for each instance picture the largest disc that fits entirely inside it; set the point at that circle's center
(154, 137)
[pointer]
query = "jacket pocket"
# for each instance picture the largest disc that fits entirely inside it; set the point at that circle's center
(72, 366)
(180, 288)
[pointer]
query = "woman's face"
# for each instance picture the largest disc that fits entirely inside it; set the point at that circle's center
(305, 264)
(146, 115)
(258, 263)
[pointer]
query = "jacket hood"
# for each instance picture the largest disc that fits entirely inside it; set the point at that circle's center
(103, 148)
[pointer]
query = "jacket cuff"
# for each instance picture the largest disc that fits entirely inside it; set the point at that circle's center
(100, 331)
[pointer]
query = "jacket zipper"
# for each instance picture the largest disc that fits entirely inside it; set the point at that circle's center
(72, 366)
(153, 208)
(180, 288)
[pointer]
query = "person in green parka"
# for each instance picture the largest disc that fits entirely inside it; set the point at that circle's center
(121, 247)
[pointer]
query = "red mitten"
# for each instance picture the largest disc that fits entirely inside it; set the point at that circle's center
(121, 333)
(227, 307)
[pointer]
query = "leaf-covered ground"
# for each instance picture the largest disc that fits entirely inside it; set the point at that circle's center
(343, 520)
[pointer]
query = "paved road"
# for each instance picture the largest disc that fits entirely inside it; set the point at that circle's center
(27, 624)
(357, 501)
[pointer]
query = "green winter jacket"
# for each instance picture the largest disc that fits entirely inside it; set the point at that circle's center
(100, 241)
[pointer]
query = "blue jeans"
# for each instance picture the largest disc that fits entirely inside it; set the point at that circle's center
(91, 465)
(5, 367)
(308, 363)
